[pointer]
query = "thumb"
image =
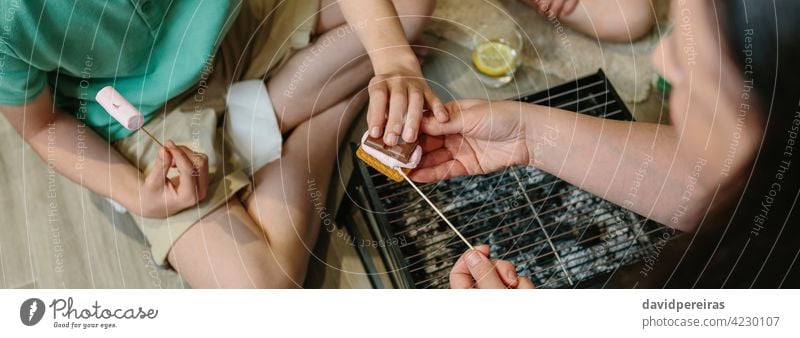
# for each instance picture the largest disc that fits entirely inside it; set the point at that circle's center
(482, 269)
(484, 248)
(454, 125)
(160, 168)
(463, 114)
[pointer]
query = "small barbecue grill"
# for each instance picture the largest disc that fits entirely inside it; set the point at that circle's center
(558, 235)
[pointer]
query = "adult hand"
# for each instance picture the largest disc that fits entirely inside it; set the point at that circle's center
(474, 270)
(480, 137)
(162, 196)
(551, 8)
(396, 103)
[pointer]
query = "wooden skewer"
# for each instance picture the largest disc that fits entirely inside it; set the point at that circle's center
(151, 136)
(436, 209)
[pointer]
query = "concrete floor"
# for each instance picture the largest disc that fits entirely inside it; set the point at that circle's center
(55, 234)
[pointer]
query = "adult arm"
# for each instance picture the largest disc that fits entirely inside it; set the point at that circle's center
(637, 165)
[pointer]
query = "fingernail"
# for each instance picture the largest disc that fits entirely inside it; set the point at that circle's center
(473, 258)
(512, 276)
(408, 134)
(375, 132)
(391, 139)
(397, 128)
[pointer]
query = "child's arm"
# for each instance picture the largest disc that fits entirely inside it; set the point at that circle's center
(77, 152)
(398, 83)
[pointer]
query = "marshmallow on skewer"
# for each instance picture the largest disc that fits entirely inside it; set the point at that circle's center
(119, 108)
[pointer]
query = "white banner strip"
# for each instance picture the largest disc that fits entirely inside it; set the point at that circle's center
(398, 313)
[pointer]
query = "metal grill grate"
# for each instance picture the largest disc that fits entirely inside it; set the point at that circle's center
(552, 231)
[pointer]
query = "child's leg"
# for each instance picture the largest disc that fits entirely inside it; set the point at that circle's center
(228, 249)
(334, 66)
(287, 193)
(615, 21)
(268, 243)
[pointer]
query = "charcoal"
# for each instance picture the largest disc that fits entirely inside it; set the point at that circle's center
(515, 212)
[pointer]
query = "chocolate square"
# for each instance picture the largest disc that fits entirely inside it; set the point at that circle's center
(402, 151)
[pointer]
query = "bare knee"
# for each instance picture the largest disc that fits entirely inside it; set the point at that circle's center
(289, 225)
(226, 249)
(414, 14)
(636, 21)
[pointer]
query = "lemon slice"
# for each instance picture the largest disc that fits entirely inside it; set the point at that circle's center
(494, 58)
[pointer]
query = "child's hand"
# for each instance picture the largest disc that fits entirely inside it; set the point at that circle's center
(553, 8)
(396, 102)
(162, 196)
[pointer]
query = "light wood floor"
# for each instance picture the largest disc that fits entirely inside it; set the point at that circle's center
(55, 234)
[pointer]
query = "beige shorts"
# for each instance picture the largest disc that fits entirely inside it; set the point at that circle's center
(262, 38)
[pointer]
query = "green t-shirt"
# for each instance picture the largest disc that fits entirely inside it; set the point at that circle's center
(149, 50)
